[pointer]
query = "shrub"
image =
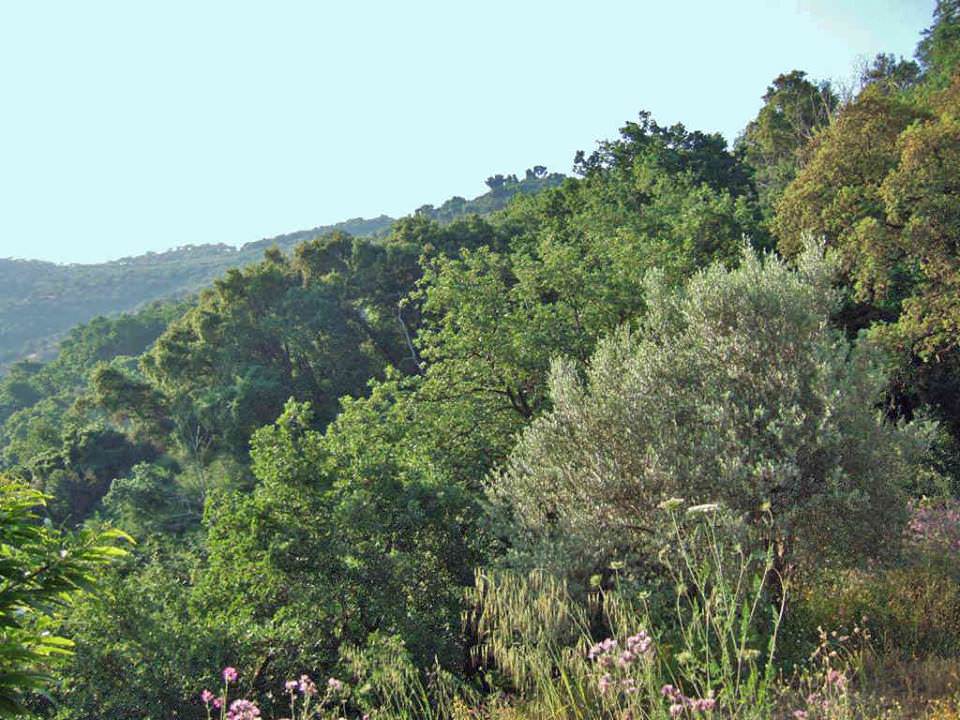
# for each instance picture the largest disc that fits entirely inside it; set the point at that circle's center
(911, 604)
(735, 389)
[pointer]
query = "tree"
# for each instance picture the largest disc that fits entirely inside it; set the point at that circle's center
(794, 110)
(736, 390)
(837, 194)
(349, 532)
(895, 75)
(939, 50)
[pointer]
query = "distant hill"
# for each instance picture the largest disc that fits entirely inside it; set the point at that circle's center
(40, 301)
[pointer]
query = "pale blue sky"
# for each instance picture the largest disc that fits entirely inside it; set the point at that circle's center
(130, 126)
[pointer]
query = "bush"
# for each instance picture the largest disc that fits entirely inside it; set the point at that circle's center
(911, 606)
(736, 389)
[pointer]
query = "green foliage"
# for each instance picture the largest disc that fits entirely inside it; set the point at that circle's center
(299, 327)
(149, 501)
(939, 50)
(794, 110)
(40, 301)
(879, 188)
(41, 572)
(139, 646)
(303, 450)
(348, 532)
(736, 390)
(838, 191)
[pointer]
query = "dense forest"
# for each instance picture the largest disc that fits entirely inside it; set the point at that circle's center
(676, 436)
(41, 301)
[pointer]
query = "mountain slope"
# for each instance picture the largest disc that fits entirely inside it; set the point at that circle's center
(40, 301)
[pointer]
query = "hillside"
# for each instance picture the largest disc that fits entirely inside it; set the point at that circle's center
(40, 301)
(677, 438)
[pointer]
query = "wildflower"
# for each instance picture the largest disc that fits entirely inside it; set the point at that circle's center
(676, 710)
(640, 643)
(601, 649)
(629, 686)
(705, 508)
(308, 686)
(704, 704)
(217, 703)
(625, 659)
(243, 710)
(835, 677)
(230, 674)
(605, 682)
(671, 504)
(335, 685)
(800, 714)
(669, 691)
(206, 696)
(291, 686)
(685, 657)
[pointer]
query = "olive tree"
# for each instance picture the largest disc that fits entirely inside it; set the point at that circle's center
(735, 389)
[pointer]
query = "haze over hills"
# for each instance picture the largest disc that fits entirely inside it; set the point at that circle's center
(40, 301)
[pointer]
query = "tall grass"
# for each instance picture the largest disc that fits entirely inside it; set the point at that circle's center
(613, 655)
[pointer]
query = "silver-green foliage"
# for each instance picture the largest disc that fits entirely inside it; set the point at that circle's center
(736, 389)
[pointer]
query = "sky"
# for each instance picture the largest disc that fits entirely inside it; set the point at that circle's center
(128, 127)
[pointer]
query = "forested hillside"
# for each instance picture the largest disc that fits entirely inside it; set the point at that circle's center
(676, 437)
(39, 301)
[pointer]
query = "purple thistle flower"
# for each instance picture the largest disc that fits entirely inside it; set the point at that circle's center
(676, 710)
(230, 674)
(206, 696)
(291, 686)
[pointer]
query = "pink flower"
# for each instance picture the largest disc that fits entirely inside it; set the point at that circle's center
(217, 703)
(307, 686)
(704, 704)
(243, 710)
(640, 643)
(669, 691)
(835, 677)
(291, 686)
(602, 648)
(230, 674)
(676, 710)
(206, 696)
(800, 714)
(605, 683)
(334, 685)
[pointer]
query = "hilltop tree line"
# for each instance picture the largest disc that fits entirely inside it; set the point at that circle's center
(41, 301)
